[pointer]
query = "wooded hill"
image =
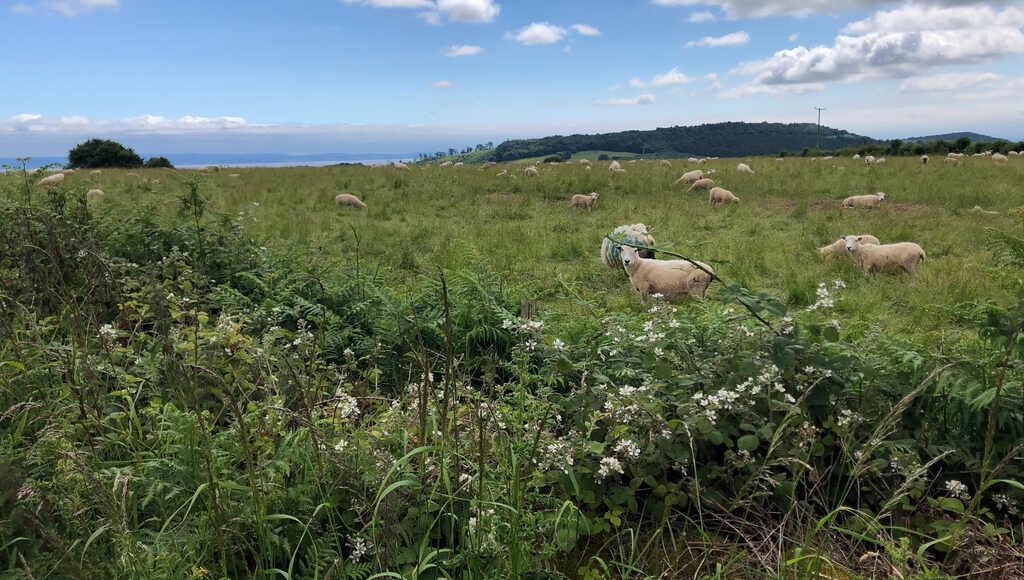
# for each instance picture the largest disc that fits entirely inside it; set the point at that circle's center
(714, 139)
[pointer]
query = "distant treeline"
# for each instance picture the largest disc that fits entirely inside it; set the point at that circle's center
(716, 139)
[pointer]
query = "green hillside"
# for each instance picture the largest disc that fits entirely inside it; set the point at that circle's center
(715, 139)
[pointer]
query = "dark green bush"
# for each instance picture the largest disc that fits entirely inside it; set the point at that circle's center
(157, 162)
(102, 153)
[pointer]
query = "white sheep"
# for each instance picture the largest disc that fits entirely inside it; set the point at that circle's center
(690, 176)
(400, 165)
(924, 160)
(531, 170)
(692, 160)
(880, 161)
(94, 193)
(866, 201)
(585, 162)
(446, 164)
(869, 159)
(666, 163)
(614, 165)
(856, 155)
(952, 160)
(839, 246)
(618, 170)
(718, 195)
(349, 200)
(704, 183)
(458, 164)
(51, 180)
(503, 172)
(1013, 153)
(673, 279)
(95, 172)
(883, 257)
(587, 201)
(744, 168)
(955, 155)
(638, 234)
(999, 157)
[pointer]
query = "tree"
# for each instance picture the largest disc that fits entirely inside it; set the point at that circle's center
(102, 153)
(154, 162)
(962, 144)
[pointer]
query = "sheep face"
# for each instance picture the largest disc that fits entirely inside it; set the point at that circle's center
(629, 255)
(852, 242)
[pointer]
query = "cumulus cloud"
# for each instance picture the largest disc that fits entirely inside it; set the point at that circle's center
(442, 85)
(713, 82)
(733, 39)
(453, 10)
(462, 50)
(672, 77)
(947, 82)
(704, 16)
(644, 99)
(538, 33)
(586, 30)
(919, 17)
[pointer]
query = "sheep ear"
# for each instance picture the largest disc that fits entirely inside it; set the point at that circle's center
(859, 238)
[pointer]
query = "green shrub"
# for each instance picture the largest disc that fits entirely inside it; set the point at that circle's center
(156, 162)
(102, 153)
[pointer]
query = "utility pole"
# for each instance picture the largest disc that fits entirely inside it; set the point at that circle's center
(819, 109)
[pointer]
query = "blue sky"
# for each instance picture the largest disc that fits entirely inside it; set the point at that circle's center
(373, 76)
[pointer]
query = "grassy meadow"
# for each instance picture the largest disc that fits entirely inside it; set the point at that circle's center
(222, 374)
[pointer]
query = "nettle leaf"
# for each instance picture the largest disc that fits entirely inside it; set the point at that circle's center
(748, 442)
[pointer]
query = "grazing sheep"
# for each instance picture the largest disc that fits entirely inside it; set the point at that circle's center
(856, 155)
(459, 164)
(955, 155)
(614, 165)
(744, 168)
(692, 160)
(924, 160)
(94, 193)
(869, 159)
(999, 157)
(885, 257)
(446, 164)
(349, 200)
(618, 170)
(400, 165)
(666, 163)
(638, 234)
(531, 170)
(690, 176)
(586, 201)
(503, 172)
(867, 201)
(673, 279)
(952, 160)
(718, 195)
(51, 180)
(95, 172)
(880, 161)
(585, 162)
(1013, 153)
(839, 246)
(705, 184)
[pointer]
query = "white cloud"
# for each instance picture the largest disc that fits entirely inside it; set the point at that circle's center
(538, 33)
(644, 99)
(74, 120)
(453, 10)
(25, 118)
(463, 50)
(70, 8)
(947, 82)
(586, 30)
(713, 82)
(469, 10)
(793, 37)
(919, 17)
(698, 17)
(21, 8)
(442, 85)
(756, 89)
(882, 55)
(672, 77)
(762, 8)
(733, 39)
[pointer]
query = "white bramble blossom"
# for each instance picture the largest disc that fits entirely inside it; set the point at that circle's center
(360, 547)
(628, 449)
(108, 332)
(957, 489)
(609, 465)
(558, 344)
(347, 405)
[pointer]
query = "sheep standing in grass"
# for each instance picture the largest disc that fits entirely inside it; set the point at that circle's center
(673, 279)
(51, 180)
(446, 164)
(866, 201)
(690, 176)
(885, 257)
(94, 193)
(719, 195)
(638, 234)
(999, 157)
(400, 165)
(531, 170)
(458, 164)
(1013, 153)
(924, 160)
(585, 162)
(618, 170)
(839, 246)
(666, 163)
(705, 184)
(587, 201)
(349, 200)
(95, 172)
(744, 168)
(503, 172)
(869, 159)
(613, 166)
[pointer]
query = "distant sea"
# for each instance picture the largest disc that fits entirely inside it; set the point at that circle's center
(192, 160)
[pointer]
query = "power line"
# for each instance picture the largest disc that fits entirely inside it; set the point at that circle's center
(819, 109)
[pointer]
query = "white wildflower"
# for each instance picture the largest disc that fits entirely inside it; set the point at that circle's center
(609, 465)
(957, 489)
